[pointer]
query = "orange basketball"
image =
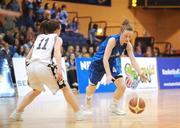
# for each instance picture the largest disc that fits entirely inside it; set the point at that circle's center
(136, 105)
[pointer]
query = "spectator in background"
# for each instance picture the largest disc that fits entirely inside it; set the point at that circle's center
(63, 18)
(13, 5)
(20, 52)
(22, 38)
(2, 4)
(91, 51)
(93, 41)
(28, 20)
(148, 52)
(1, 27)
(16, 43)
(168, 49)
(30, 38)
(156, 52)
(70, 51)
(77, 51)
(37, 28)
(74, 25)
(84, 51)
(97, 48)
(71, 72)
(54, 10)
(8, 23)
(138, 50)
(6, 54)
(47, 7)
(9, 38)
(26, 6)
(39, 11)
(47, 15)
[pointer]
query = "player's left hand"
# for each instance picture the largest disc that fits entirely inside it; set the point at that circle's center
(143, 77)
(109, 79)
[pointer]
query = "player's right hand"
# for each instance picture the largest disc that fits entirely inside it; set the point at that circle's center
(109, 79)
(59, 75)
(144, 77)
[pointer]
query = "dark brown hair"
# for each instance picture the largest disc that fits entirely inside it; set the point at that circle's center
(53, 24)
(43, 27)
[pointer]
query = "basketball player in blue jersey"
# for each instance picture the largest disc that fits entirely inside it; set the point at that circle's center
(107, 61)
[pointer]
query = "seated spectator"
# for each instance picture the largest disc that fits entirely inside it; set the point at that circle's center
(168, 50)
(93, 41)
(47, 15)
(5, 54)
(8, 23)
(13, 5)
(77, 51)
(30, 38)
(97, 48)
(91, 51)
(84, 51)
(28, 20)
(71, 72)
(63, 18)
(1, 28)
(54, 10)
(70, 51)
(148, 52)
(74, 25)
(47, 6)
(20, 52)
(138, 50)
(39, 11)
(156, 52)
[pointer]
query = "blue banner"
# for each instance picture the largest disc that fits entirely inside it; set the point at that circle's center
(82, 68)
(169, 73)
(6, 85)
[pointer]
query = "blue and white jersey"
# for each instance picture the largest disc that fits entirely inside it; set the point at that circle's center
(116, 52)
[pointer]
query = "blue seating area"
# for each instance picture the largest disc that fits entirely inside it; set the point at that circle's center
(72, 38)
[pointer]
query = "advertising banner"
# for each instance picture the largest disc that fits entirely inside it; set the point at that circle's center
(148, 65)
(169, 73)
(6, 85)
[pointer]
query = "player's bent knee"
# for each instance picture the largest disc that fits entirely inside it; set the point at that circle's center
(121, 87)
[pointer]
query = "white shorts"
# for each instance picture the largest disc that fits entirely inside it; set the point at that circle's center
(39, 74)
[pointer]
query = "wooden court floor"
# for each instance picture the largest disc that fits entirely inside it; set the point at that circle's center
(162, 111)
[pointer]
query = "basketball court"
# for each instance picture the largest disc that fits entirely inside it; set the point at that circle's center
(161, 111)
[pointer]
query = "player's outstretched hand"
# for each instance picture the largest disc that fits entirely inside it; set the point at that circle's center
(109, 79)
(143, 77)
(4, 13)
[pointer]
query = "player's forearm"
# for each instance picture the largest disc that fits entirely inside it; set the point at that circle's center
(58, 62)
(28, 57)
(106, 67)
(135, 65)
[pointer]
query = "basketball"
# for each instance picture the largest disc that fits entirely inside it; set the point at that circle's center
(136, 105)
(128, 81)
